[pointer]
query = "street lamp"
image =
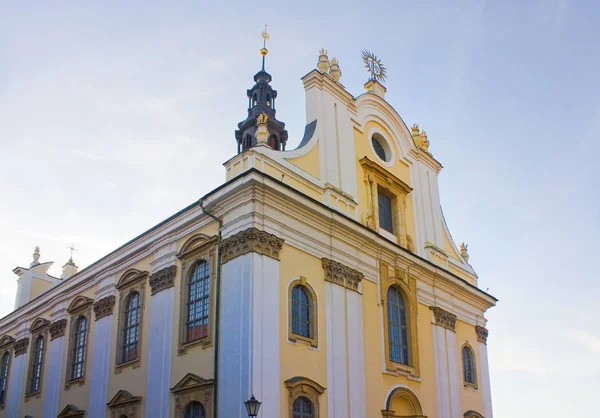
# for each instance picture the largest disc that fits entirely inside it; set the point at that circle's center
(252, 406)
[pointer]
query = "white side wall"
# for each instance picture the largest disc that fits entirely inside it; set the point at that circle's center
(98, 375)
(15, 386)
(159, 354)
(484, 385)
(446, 373)
(356, 356)
(52, 379)
(337, 378)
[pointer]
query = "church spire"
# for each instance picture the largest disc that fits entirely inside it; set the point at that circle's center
(261, 101)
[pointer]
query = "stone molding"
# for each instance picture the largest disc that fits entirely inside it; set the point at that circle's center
(57, 329)
(20, 346)
(482, 334)
(193, 388)
(163, 279)
(71, 411)
(6, 341)
(301, 386)
(342, 275)
(252, 240)
(104, 307)
(444, 318)
(124, 404)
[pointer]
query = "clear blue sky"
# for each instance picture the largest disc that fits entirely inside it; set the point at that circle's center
(113, 117)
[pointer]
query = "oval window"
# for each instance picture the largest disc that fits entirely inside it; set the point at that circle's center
(378, 147)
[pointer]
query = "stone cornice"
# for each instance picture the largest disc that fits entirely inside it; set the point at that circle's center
(252, 240)
(444, 318)
(163, 279)
(20, 346)
(482, 334)
(340, 274)
(104, 307)
(57, 329)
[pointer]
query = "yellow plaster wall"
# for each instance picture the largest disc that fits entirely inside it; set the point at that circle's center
(277, 174)
(448, 247)
(298, 359)
(38, 286)
(309, 162)
(470, 398)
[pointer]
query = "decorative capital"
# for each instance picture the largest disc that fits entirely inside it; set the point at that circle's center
(163, 279)
(20, 346)
(482, 334)
(444, 318)
(251, 240)
(104, 307)
(340, 274)
(57, 329)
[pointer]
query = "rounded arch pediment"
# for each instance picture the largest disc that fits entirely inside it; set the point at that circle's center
(131, 276)
(193, 243)
(78, 303)
(6, 340)
(38, 324)
(403, 399)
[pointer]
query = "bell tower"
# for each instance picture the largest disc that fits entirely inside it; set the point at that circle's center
(261, 101)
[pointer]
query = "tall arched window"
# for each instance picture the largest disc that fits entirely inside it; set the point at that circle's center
(468, 365)
(302, 312)
(397, 329)
(37, 365)
(79, 342)
(194, 410)
(4, 376)
(303, 408)
(198, 305)
(131, 328)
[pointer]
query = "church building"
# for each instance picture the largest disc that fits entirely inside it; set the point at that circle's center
(320, 281)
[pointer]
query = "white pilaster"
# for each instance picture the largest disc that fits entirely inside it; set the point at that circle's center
(15, 386)
(442, 387)
(485, 380)
(98, 375)
(453, 374)
(52, 378)
(356, 356)
(337, 378)
(249, 336)
(159, 354)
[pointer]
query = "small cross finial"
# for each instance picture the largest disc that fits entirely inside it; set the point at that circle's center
(264, 50)
(72, 248)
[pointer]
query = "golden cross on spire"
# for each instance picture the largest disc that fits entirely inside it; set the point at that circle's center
(72, 248)
(264, 50)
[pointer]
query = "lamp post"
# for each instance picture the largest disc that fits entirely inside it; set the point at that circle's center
(252, 406)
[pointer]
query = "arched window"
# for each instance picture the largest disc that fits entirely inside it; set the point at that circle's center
(131, 328)
(273, 142)
(79, 342)
(198, 305)
(468, 365)
(37, 365)
(303, 408)
(302, 312)
(4, 376)
(397, 329)
(194, 410)
(269, 100)
(254, 100)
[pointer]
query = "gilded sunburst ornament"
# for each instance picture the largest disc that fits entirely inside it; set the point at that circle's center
(374, 66)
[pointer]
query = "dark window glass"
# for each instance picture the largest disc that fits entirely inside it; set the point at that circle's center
(4, 376)
(36, 365)
(378, 149)
(301, 311)
(198, 302)
(303, 408)
(468, 369)
(131, 328)
(194, 410)
(79, 342)
(397, 330)
(385, 213)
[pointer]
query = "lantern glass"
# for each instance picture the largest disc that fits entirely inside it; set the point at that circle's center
(252, 406)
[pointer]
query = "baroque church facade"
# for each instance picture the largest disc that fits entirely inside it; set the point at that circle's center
(322, 280)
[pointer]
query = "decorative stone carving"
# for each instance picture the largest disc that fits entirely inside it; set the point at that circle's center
(104, 307)
(38, 324)
(303, 386)
(248, 241)
(20, 346)
(57, 329)
(71, 411)
(6, 341)
(340, 274)
(482, 334)
(444, 318)
(193, 388)
(464, 251)
(124, 404)
(163, 279)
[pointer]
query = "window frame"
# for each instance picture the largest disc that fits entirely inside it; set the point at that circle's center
(200, 279)
(81, 306)
(312, 406)
(300, 386)
(193, 388)
(39, 329)
(131, 281)
(381, 192)
(313, 339)
(77, 346)
(193, 403)
(467, 347)
(5, 350)
(196, 249)
(403, 327)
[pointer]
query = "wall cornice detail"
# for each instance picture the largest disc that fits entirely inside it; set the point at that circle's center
(163, 279)
(342, 275)
(252, 240)
(482, 334)
(104, 307)
(444, 318)
(20, 346)
(57, 329)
